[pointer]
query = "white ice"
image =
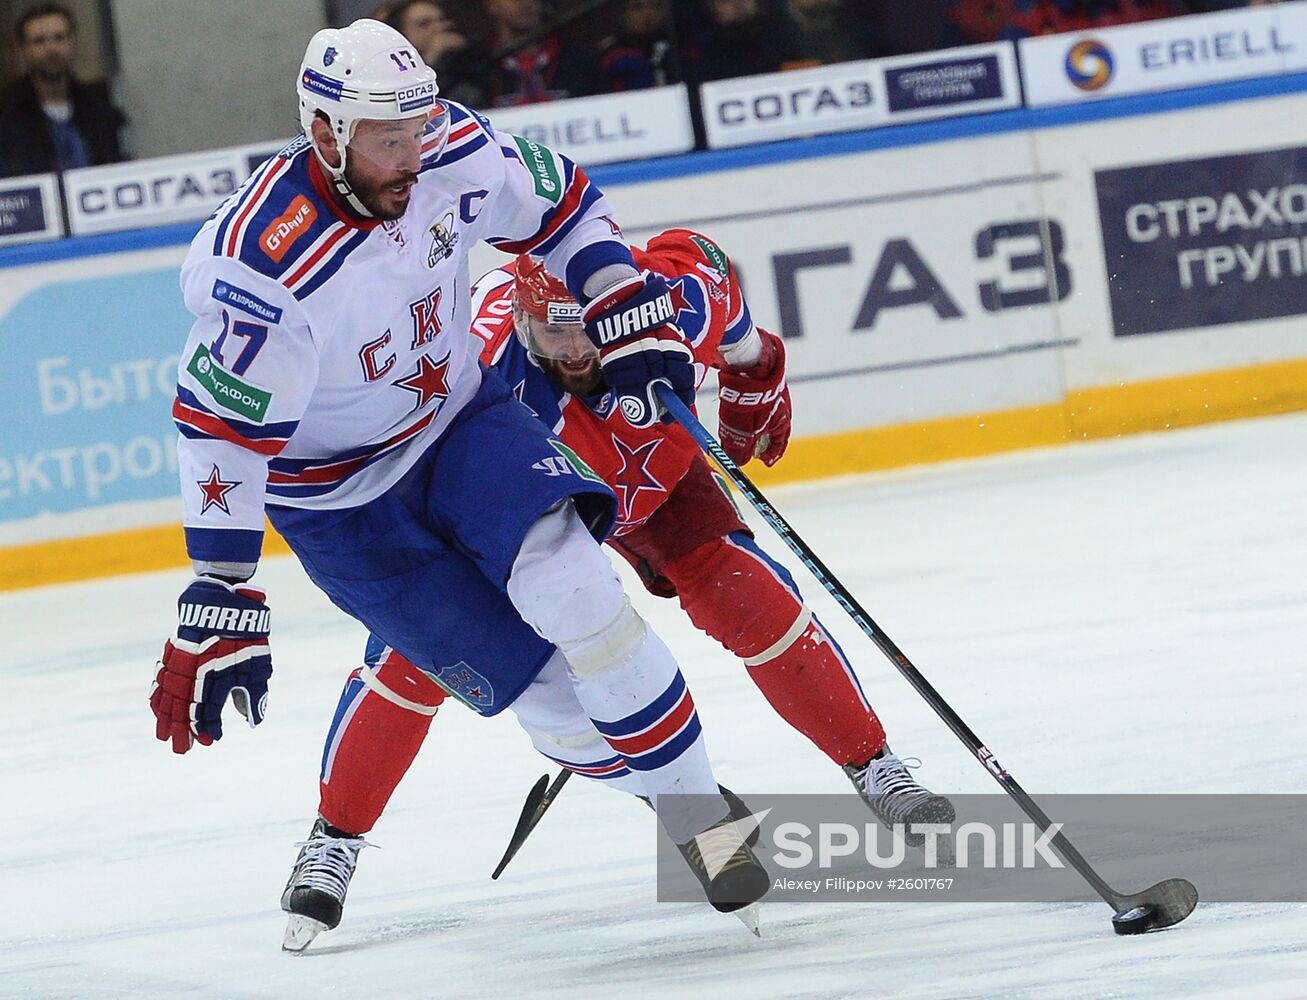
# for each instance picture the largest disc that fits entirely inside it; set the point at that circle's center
(1125, 616)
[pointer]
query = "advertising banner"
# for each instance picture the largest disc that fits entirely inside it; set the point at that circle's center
(1205, 242)
(789, 105)
(608, 128)
(1164, 55)
(90, 366)
(858, 95)
(952, 82)
(157, 192)
(908, 283)
(29, 209)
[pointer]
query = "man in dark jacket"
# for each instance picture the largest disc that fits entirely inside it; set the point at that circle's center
(49, 120)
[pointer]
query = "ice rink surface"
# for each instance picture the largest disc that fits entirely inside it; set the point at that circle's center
(1123, 616)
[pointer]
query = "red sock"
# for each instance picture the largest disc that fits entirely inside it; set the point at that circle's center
(748, 603)
(373, 740)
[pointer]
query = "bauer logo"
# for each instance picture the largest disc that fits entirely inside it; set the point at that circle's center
(1205, 242)
(943, 83)
(423, 95)
(1090, 65)
(283, 231)
(225, 291)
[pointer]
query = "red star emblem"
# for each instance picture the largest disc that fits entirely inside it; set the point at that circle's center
(680, 303)
(215, 491)
(428, 381)
(634, 474)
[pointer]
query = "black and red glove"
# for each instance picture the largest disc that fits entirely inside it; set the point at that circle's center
(640, 345)
(753, 406)
(220, 649)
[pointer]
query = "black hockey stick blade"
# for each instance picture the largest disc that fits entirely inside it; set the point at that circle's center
(1161, 905)
(533, 810)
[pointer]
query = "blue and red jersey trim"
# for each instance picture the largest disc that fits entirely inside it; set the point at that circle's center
(318, 250)
(197, 421)
(293, 478)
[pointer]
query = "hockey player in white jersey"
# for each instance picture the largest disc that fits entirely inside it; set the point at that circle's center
(330, 381)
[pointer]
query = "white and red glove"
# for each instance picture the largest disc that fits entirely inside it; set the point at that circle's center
(753, 406)
(220, 648)
(640, 345)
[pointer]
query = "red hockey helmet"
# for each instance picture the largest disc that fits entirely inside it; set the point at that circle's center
(546, 317)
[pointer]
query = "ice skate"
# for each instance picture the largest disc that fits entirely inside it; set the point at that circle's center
(896, 798)
(731, 875)
(315, 894)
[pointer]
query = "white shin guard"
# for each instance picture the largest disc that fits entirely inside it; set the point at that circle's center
(621, 672)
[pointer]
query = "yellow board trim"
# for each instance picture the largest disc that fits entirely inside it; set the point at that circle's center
(1106, 411)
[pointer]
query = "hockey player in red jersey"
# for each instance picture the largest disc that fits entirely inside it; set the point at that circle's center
(676, 526)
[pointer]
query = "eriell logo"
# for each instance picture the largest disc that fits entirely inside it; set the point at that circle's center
(284, 230)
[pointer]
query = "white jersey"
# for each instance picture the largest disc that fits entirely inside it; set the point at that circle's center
(328, 352)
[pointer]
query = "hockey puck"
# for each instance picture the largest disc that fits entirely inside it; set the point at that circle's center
(1136, 920)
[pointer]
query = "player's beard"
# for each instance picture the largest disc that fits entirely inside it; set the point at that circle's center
(382, 199)
(578, 380)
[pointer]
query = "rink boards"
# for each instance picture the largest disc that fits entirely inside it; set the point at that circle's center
(946, 289)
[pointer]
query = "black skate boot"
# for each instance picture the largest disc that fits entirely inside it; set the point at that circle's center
(732, 877)
(315, 894)
(897, 800)
(739, 811)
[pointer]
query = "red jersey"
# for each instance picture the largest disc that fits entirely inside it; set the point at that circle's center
(642, 466)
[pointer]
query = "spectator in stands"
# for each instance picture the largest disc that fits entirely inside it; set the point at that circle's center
(50, 120)
(441, 45)
(742, 39)
(519, 62)
(643, 53)
(989, 20)
(834, 31)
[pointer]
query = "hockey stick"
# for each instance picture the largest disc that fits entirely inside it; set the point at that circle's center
(1161, 905)
(533, 810)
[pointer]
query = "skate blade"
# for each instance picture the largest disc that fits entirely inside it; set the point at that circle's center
(749, 916)
(300, 932)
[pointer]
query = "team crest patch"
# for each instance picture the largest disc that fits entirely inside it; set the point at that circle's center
(443, 239)
(329, 56)
(467, 685)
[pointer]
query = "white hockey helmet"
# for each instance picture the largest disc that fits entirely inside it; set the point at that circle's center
(365, 71)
